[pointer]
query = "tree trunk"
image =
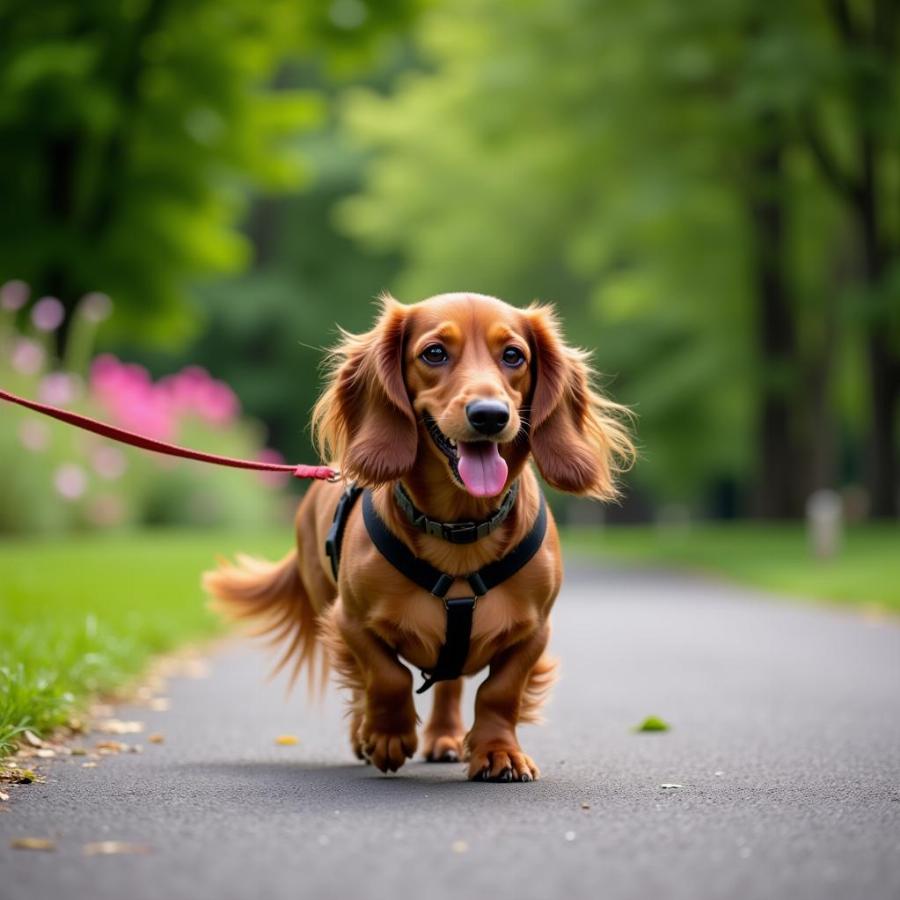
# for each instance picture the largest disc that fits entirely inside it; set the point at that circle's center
(821, 438)
(62, 159)
(884, 366)
(779, 492)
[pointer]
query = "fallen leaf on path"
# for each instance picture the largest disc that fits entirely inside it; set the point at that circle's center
(287, 740)
(45, 753)
(110, 848)
(79, 751)
(585, 805)
(107, 747)
(89, 765)
(33, 843)
(156, 738)
(668, 787)
(653, 723)
(118, 726)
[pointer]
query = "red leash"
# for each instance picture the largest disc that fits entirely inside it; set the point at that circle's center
(323, 473)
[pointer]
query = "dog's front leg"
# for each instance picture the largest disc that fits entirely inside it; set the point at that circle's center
(494, 751)
(387, 734)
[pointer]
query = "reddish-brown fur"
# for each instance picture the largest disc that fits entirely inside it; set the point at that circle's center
(369, 421)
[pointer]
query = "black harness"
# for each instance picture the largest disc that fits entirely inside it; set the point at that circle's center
(460, 610)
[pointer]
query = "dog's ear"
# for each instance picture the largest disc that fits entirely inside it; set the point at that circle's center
(577, 437)
(364, 420)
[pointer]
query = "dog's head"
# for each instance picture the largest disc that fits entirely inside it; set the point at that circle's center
(475, 383)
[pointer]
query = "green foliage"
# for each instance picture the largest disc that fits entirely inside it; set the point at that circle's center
(130, 133)
(606, 157)
(83, 616)
(266, 332)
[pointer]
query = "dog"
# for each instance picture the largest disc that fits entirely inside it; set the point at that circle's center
(437, 412)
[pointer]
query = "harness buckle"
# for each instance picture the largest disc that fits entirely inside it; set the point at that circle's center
(461, 601)
(459, 532)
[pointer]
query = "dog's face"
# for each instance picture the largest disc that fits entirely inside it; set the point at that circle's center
(471, 381)
(467, 370)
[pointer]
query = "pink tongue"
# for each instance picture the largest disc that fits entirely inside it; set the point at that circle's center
(482, 468)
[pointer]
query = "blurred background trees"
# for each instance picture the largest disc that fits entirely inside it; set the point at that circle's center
(710, 192)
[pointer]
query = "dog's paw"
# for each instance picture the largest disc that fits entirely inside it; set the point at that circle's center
(356, 739)
(356, 744)
(502, 764)
(388, 751)
(443, 747)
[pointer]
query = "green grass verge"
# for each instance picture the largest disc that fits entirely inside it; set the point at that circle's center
(772, 557)
(82, 615)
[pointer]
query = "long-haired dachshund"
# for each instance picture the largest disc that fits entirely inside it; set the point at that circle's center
(435, 412)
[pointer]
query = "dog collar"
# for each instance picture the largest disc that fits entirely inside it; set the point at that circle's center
(455, 532)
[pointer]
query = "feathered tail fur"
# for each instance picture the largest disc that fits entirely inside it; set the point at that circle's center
(273, 595)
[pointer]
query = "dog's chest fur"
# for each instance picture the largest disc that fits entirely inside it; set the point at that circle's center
(415, 623)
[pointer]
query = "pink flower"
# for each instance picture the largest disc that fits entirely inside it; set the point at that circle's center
(48, 314)
(27, 356)
(104, 365)
(95, 307)
(193, 391)
(59, 389)
(14, 295)
(217, 403)
(109, 462)
(131, 399)
(70, 481)
(34, 435)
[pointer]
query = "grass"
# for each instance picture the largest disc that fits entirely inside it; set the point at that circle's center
(776, 558)
(83, 615)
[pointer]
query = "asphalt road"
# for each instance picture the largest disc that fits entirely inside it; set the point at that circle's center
(785, 741)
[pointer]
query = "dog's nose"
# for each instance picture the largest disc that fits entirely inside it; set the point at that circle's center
(488, 417)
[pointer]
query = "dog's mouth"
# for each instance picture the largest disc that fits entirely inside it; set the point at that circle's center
(476, 465)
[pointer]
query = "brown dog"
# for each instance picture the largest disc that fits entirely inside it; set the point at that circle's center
(449, 397)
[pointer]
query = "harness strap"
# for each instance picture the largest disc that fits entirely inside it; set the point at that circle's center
(335, 537)
(454, 651)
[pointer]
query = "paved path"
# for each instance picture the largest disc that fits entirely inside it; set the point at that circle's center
(786, 744)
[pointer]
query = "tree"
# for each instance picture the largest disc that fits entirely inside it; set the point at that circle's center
(131, 133)
(852, 130)
(643, 166)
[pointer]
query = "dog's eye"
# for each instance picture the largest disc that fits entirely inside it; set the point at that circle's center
(435, 355)
(513, 357)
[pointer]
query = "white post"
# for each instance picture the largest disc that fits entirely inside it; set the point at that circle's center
(824, 523)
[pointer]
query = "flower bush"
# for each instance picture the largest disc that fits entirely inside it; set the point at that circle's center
(55, 477)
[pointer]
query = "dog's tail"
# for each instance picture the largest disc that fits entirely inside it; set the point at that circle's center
(273, 596)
